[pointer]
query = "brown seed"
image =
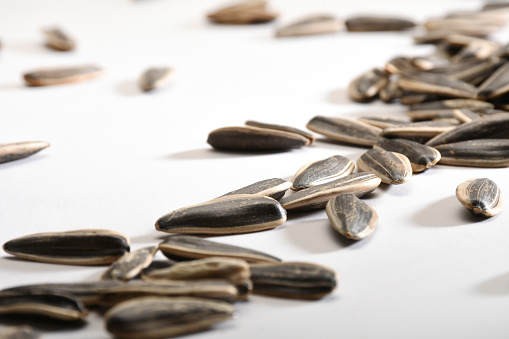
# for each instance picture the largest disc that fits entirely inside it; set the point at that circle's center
(476, 153)
(20, 150)
(480, 196)
(473, 71)
(274, 188)
(436, 36)
(19, 332)
(496, 85)
(384, 122)
(311, 25)
(390, 167)
(421, 157)
(283, 128)
(400, 66)
(58, 76)
(130, 265)
(412, 98)
(472, 47)
(478, 26)
(322, 171)
(366, 86)
(154, 78)
(431, 62)
(345, 130)
(438, 84)
(244, 13)
(58, 40)
(391, 90)
(377, 24)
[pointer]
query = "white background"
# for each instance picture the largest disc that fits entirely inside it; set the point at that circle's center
(119, 159)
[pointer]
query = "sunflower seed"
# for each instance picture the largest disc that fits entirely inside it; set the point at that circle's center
(345, 130)
(254, 139)
(227, 215)
(384, 122)
(418, 131)
(351, 217)
(156, 265)
(20, 150)
(437, 84)
(496, 85)
(366, 86)
(480, 196)
(189, 247)
(244, 290)
(156, 317)
(58, 76)
(50, 305)
(390, 167)
(436, 36)
(478, 26)
(293, 280)
(19, 332)
(58, 40)
(244, 13)
(274, 188)
(316, 24)
(400, 66)
(283, 128)
(421, 157)
(81, 247)
(154, 78)
(322, 171)
(317, 196)
(465, 115)
(472, 47)
(235, 271)
(130, 265)
(377, 24)
(445, 108)
(490, 6)
(391, 90)
(431, 62)
(474, 72)
(411, 98)
(476, 153)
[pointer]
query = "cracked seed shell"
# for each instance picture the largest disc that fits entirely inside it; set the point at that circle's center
(480, 196)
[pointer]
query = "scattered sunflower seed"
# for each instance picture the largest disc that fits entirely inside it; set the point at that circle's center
(283, 128)
(20, 150)
(476, 153)
(445, 108)
(19, 332)
(58, 76)
(322, 171)
(345, 130)
(384, 122)
(154, 78)
(366, 86)
(496, 85)
(418, 131)
(58, 40)
(274, 188)
(421, 157)
(438, 84)
(390, 167)
(130, 264)
(244, 13)
(480, 196)
(316, 24)
(377, 24)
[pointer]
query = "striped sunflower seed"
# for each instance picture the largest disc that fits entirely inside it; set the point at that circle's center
(56, 39)
(351, 217)
(477, 26)
(445, 108)
(322, 171)
(293, 280)
(412, 98)
(400, 66)
(438, 84)
(20, 150)
(418, 131)
(154, 78)
(366, 86)
(316, 197)
(391, 90)
(19, 332)
(384, 122)
(377, 24)
(316, 24)
(81, 247)
(421, 157)
(480, 196)
(156, 265)
(476, 153)
(254, 139)
(465, 115)
(496, 85)
(244, 13)
(189, 247)
(283, 128)
(59, 76)
(274, 188)
(130, 264)
(345, 130)
(227, 215)
(156, 317)
(390, 167)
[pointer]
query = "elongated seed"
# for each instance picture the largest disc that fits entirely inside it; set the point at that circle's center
(283, 128)
(154, 78)
(293, 280)
(19, 332)
(391, 90)
(56, 39)
(438, 84)
(384, 122)
(311, 25)
(430, 110)
(400, 66)
(366, 86)
(20, 150)
(190, 247)
(377, 23)
(390, 167)
(317, 196)
(476, 153)
(274, 188)
(351, 217)
(345, 130)
(496, 85)
(156, 265)
(421, 157)
(81, 247)
(465, 115)
(130, 265)
(423, 130)
(244, 13)
(322, 171)
(480, 196)
(58, 76)
(158, 317)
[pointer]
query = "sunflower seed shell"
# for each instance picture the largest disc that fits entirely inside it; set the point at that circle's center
(244, 13)
(345, 130)
(318, 172)
(316, 24)
(437, 84)
(20, 150)
(19, 332)
(283, 128)
(130, 264)
(480, 196)
(58, 40)
(377, 24)
(390, 167)
(274, 188)
(421, 157)
(366, 86)
(154, 78)
(58, 76)
(476, 153)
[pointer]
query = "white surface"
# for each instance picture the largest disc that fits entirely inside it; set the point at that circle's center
(120, 159)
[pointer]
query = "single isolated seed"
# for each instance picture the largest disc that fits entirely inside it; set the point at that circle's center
(390, 167)
(59, 76)
(322, 171)
(480, 196)
(421, 157)
(19, 332)
(351, 217)
(274, 188)
(56, 39)
(154, 78)
(345, 130)
(311, 25)
(130, 264)
(377, 24)
(244, 13)
(366, 86)
(476, 153)
(283, 128)
(20, 150)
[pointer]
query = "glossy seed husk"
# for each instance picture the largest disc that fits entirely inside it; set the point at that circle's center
(311, 25)
(57, 39)
(157, 317)
(19, 332)
(345, 130)
(293, 280)
(351, 217)
(283, 128)
(130, 264)
(274, 188)
(80, 247)
(438, 84)
(480, 196)
(496, 85)
(476, 153)
(421, 157)
(316, 197)
(190, 247)
(227, 215)
(390, 167)
(322, 171)
(366, 86)
(154, 78)
(59, 76)
(244, 13)
(20, 150)
(377, 24)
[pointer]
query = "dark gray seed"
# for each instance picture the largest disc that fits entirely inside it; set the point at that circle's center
(366, 86)
(157, 317)
(421, 157)
(465, 115)
(391, 90)
(496, 127)
(254, 139)
(377, 24)
(445, 108)
(19, 332)
(154, 78)
(20, 150)
(58, 40)
(274, 188)
(293, 280)
(423, 130)
(130, 265)
(58, 76)
(190, 247)
(81, 247)
(50, 305)
(438, 84)
(384, 122)
(322, 171)
(158, 264)
(283, 128)
(317, 196)
(244, 13)
(316, 24)
(390, 167)
(480, 196)
(496, 85)
(400, 66)
(476, 153)
(227, 215)
(351, 217)
(345, 130)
